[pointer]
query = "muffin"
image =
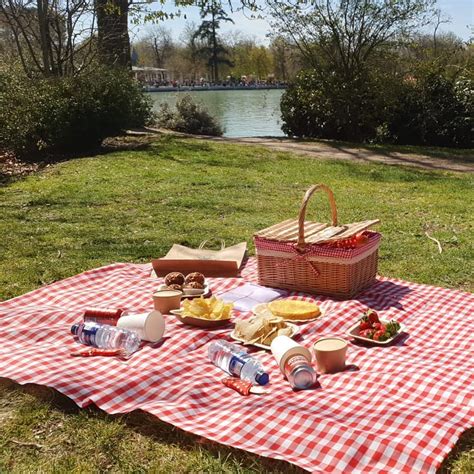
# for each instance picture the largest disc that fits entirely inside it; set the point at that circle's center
(174, 278)
(174, 286)
(195, 277)
(194, 285)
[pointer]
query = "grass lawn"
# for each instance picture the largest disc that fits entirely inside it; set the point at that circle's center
(132, 205)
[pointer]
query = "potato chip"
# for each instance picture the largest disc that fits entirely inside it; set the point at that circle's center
(207, 308)
(261, 329)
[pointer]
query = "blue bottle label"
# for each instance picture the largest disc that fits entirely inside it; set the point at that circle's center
(88, 334)
(235, 365)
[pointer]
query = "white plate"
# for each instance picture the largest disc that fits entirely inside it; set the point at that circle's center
(294, 327)
(196, 293)
(263, 308)
(199, 322)
(354, 332)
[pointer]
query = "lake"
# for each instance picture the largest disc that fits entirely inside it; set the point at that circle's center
(242, 113)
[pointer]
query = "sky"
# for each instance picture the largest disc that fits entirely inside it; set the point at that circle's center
(460, 12)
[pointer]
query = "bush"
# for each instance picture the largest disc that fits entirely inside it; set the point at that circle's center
(322, 104)
(68, 114)
(434, 110)
(188, 117)
(427, 109)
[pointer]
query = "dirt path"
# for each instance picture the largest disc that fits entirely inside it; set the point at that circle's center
(322, 150)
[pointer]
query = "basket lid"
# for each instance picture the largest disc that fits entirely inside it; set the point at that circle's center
(307, 232)
(314, 232)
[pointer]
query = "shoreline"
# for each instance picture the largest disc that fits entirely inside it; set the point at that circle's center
(209, 88)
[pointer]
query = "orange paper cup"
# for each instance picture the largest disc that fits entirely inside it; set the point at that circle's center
(330, 354)
(166, 300)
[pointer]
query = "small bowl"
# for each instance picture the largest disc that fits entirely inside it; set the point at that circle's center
(166, 300)
(193, 292)
(199, 322)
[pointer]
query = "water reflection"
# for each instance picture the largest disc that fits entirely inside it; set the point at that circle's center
(252, 113)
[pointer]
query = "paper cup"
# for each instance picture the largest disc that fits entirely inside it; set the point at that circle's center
(149, 326)
(330, 354)
(283, 347)
(166, 300)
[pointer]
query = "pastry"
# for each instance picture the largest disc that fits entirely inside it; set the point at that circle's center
(195, 285)
(195, 277)
(294, 309)
(174, 278)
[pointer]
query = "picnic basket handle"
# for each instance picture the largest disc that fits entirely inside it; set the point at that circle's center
(301, 217)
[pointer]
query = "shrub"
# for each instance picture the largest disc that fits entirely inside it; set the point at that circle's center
(322, 104)
(427, 109)
(189, 117)
(434, 110)
(68, 114)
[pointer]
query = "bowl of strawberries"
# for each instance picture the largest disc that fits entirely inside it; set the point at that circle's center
(370, 328)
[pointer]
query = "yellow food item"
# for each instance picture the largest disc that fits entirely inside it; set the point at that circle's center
(207, 308)
(294, 309)
(262, 329)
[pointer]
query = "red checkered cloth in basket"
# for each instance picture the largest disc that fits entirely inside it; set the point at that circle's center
(401, 411)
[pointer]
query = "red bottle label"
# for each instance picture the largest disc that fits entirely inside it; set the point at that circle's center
(103, 315)
(294, 361)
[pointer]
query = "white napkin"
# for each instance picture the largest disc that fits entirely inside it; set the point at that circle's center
(249, 295)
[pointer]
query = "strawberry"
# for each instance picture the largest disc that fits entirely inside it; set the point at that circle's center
(368, 333)
(379, 335)
(365, 325)
(361, 239)
(373, 316)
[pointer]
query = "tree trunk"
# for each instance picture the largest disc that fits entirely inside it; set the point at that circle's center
(43, 24)
(112, 26)
(215, 72)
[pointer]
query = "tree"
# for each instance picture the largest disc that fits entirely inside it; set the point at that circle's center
(213, 49)
(162, 45)
(286, 58)
(156, 48)
(349, 47)
(53, 38)
(346, 33)
(112, 27)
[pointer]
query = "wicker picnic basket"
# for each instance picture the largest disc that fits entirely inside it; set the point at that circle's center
(290, 254)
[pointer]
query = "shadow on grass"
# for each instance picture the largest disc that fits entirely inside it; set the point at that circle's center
(186, 143)
(19, 169)
(381, 173)
(453, 154)
(153, 428)
(453, 159)
(465, 444)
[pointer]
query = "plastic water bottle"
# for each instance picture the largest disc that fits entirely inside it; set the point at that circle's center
(235, 361)
(104, 336)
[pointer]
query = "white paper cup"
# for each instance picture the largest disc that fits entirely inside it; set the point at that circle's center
(149, 326)
(283, 347)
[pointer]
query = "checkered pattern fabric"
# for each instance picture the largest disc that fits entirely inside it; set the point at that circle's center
(401, 411)
(318, 250)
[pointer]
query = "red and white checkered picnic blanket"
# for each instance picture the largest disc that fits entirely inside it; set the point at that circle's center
(401, 412)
